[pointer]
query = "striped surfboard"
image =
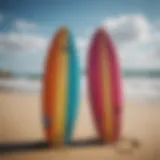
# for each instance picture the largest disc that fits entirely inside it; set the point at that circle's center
(104, 82)
(61, 89)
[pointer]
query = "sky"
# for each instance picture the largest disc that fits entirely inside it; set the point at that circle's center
(26, 28)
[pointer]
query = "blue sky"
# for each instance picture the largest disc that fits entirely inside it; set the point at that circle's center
(78, 15)
(27, 26)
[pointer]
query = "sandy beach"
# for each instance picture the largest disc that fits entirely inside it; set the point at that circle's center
(20, 121)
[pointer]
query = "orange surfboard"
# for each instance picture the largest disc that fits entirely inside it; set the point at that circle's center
(61, 89)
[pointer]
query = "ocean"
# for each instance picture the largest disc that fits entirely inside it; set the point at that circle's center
(135, 86)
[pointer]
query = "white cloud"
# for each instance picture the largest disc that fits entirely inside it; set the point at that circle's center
(137, 40)
(140, 55)
(24, 25)
(128, 28)
(82, 45)
(22, 43)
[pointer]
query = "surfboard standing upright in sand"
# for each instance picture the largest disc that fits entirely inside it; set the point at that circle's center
(105, 86)
(61, 89)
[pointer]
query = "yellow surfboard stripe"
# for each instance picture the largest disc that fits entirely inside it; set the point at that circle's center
(106, 81)
(61, 93)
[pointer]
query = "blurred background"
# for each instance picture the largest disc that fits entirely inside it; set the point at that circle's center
(26, 28)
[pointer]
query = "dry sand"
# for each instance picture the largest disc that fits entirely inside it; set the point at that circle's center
(20, 121)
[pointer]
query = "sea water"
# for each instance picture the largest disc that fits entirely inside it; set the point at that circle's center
(133, 87)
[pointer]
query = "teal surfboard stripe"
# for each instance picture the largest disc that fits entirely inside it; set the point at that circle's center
(73, 92)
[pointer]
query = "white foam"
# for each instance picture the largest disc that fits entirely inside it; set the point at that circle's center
(134, 88)
(20, 84)
(142, 88)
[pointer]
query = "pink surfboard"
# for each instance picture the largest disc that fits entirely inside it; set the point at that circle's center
(105, 92)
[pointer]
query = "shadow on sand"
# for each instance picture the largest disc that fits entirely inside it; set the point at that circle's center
(4, 148)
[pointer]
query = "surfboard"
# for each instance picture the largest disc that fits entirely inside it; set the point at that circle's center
(61, 89)
(105, 92)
